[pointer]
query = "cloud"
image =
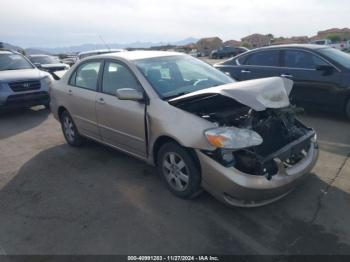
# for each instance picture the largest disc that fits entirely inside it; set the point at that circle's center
(66, 22)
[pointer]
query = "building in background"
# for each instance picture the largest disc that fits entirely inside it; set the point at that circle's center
(256, 40)
(233, 43)
(208, 44)
(291, 40)
(342, 34)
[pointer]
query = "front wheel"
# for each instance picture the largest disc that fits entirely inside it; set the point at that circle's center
(70, 131)
(179, 171)
(347, 109)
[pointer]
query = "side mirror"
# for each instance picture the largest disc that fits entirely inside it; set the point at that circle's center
(327, 69)
(38, 65)
(129, 94)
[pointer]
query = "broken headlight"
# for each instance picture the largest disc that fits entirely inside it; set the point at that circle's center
(233, 137)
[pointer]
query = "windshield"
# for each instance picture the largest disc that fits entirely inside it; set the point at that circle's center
(338, 56)
(173, 76)
(13, 62)
(44, 60)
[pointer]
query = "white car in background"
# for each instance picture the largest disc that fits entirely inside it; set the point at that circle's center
(343, 45)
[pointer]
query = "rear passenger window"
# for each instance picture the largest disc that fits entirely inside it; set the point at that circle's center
(117, 76)
(86, 75)
(264, 58)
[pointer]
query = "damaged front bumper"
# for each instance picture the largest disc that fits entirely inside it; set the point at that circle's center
(237, 188)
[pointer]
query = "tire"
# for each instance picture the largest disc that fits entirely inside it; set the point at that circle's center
(347, 109)
(70, 131)
(179, 171)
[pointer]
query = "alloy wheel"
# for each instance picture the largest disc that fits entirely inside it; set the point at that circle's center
(68, 128)
(175, 171)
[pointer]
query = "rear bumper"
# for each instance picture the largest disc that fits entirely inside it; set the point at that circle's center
(240, 189)
(26, 100)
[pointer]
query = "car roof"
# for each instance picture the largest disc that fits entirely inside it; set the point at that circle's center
(31, 56)
(136, 55)
(100, 50)
(301, 46)
(38, 55)
(5, 52)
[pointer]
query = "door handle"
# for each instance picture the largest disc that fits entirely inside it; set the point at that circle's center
(245, 71)
(101, 101)
(287, 76)
(70, 92)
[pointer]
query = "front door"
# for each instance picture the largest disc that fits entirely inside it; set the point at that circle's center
(121, 122)
(312, 87)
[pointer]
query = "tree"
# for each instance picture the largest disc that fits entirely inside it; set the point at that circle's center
(246, 45)
(271, 36)
(334, 38)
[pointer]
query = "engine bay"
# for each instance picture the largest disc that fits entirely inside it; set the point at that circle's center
(284, 136)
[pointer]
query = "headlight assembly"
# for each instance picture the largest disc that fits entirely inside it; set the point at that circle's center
(47, 80)
(233, 137)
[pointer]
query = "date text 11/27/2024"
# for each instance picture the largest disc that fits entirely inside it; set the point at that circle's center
(173, 258)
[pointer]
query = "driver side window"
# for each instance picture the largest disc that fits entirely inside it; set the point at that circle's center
(302, 60)
(117, 76)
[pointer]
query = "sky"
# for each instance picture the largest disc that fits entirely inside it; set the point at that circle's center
(58, 23)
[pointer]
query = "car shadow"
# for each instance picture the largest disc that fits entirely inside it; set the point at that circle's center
(16, 121)
(27, 117)
(95, 200)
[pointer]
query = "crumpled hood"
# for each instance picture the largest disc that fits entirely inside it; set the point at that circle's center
(22, 74)
(258, 94)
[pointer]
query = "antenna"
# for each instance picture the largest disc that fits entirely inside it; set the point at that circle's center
(103, 41)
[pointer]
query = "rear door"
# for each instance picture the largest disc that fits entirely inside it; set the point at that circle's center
(253, 65)
(121, 122)
(311, 87)
(81, 97)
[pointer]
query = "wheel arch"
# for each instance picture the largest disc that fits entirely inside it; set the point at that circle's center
(160, 141)
(60, 110)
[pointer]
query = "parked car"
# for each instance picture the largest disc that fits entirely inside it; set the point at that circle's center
(48, 63)
(240, 141)
(195, 53)
(227, 51)
(321, 42)
(21, 83)
(98, 52)
(321, 74)
(70, 60)
(342, 45)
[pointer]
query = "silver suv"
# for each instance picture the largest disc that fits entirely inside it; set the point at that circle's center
(21, 83)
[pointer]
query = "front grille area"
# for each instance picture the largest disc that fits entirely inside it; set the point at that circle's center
(27, 99)
(19, 86)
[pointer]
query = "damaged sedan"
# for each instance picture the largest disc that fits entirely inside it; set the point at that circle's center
(240, 141)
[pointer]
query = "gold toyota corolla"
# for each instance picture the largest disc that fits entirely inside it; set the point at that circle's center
(240, 141)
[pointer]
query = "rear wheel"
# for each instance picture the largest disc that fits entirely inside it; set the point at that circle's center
(70, 131)
(179, 171)
(347, 109)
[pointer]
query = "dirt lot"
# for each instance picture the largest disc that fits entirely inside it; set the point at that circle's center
(55, 199)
